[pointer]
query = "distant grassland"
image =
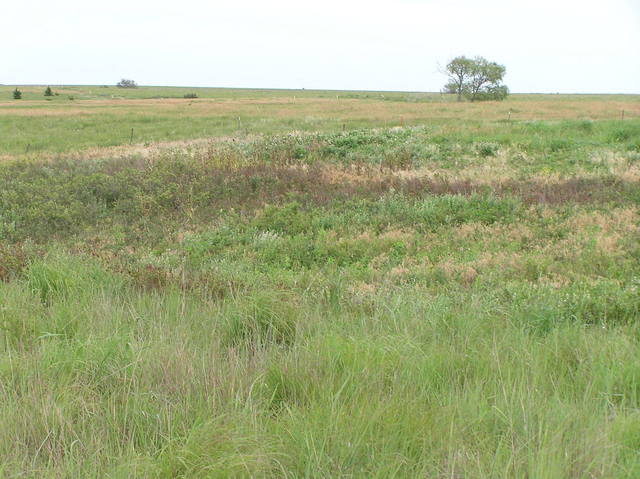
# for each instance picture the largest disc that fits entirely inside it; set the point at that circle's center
(101, 117)
(437, 291)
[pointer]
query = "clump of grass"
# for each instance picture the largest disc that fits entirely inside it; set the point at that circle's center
(59, 275)
(486, 150)
(623, 134)
(260, 320)
(21, 318)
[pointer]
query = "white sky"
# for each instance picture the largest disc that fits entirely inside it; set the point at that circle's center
(547, 45)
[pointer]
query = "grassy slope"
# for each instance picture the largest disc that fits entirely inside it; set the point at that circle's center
(447, 300)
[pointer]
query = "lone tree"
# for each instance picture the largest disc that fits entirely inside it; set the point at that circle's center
(476, 79)
(459, 71)
(17, 94)
(124, 83)
(48, 91)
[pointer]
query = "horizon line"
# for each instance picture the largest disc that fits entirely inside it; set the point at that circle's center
(102, 85)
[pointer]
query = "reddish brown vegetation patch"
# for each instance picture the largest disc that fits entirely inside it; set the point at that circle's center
(260, 183)
(12, 260)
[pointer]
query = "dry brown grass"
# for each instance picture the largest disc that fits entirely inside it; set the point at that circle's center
(623, 220)
(593, 232)
(45, 112)
(136, 150)
(344, 109)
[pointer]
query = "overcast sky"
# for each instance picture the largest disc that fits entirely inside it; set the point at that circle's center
(547, 45)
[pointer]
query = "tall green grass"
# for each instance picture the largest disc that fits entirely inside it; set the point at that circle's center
(386, 303)
(114, 382)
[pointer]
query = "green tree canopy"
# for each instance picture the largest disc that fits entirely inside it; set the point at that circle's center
(475, 79)
(124, 83)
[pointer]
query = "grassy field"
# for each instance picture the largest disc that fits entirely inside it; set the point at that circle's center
(376, 285)
(104, 117)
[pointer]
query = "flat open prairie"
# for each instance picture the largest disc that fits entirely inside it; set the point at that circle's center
(290, 284)
(81, 118)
